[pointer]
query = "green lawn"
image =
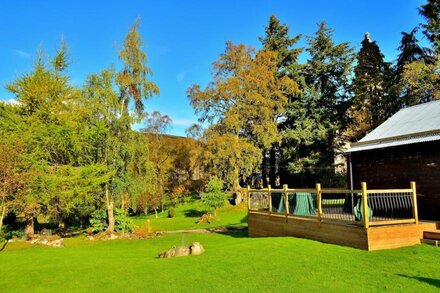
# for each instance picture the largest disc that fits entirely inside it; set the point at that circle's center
(188, 215)
(231, 263)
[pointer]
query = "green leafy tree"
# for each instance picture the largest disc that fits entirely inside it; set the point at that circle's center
(47, 130)
(133, 80)
(12, 179)
(143, 185)
(160, 155)
(411, 52)
(214, 197)
(113, 110)
(422, 81)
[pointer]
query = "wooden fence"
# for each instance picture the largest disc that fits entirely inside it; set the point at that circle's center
(374, 207)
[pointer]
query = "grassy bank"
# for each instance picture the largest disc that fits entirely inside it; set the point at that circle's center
(231, 263)
(188, 215)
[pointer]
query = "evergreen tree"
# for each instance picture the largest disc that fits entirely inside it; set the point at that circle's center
(316, 118)
(277, 40)
(372, 102)
(421, 78)
(410, 51)
(431, 29)
(53, 158)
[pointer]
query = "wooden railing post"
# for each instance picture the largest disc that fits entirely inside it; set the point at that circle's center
(269, 197)
(319, 201)
(286, 200)
(414, 200)
(248, 197)
(364, 204)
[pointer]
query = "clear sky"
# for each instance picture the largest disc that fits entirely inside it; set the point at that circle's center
(182, 38)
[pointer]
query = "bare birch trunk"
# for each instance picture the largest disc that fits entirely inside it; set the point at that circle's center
(3, 213)
(110, 211)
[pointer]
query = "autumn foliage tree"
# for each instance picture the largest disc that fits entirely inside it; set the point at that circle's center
(242, 104)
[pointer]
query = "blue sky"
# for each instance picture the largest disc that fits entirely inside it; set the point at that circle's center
(182, 38)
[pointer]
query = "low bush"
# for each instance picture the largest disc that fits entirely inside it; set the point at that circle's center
(171, 213)
(122, 222)
(214, 197)
(99, 221)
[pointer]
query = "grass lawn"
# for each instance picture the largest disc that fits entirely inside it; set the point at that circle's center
(231, 263)
(188, 215)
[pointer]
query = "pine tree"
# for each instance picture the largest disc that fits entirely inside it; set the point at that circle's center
(316, 118)
(410, 51)
(277, 40)
(431, 29)
(372, 102)
(421, 78)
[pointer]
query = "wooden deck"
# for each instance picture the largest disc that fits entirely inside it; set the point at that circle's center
(372, 238)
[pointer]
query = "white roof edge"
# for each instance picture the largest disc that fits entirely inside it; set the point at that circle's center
(393, 143)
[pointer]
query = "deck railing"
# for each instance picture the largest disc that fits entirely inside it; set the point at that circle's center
(380, 207)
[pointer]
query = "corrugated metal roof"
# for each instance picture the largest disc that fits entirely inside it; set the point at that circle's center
(420, 123)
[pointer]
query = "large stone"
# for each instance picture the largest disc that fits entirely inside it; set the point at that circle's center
(196, 248)
(181, 251)
(168, 253)
(56, 243)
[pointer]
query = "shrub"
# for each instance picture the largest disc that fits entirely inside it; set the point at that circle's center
(171, 213)
(143, 232)
(214, 197)
(7, 234)
(99, 220)
(206, 219)
(122, 221)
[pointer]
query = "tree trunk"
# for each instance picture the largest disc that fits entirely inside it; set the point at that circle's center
(29, 228)
(236, 186)
(110, 212)
(273, 166)
(61, 224)
(264, 166)
(155, 212)
(3, 213)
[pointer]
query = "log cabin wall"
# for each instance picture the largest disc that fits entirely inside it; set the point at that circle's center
(395, 167)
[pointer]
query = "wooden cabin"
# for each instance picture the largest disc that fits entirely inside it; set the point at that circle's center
(404, 148)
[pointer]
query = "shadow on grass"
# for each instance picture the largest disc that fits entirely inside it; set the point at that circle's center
(430, 281)
(193, 213)
(4, 245)
(236, 234)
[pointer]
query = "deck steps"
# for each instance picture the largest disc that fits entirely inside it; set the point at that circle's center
(432, 236)
(430, 242)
